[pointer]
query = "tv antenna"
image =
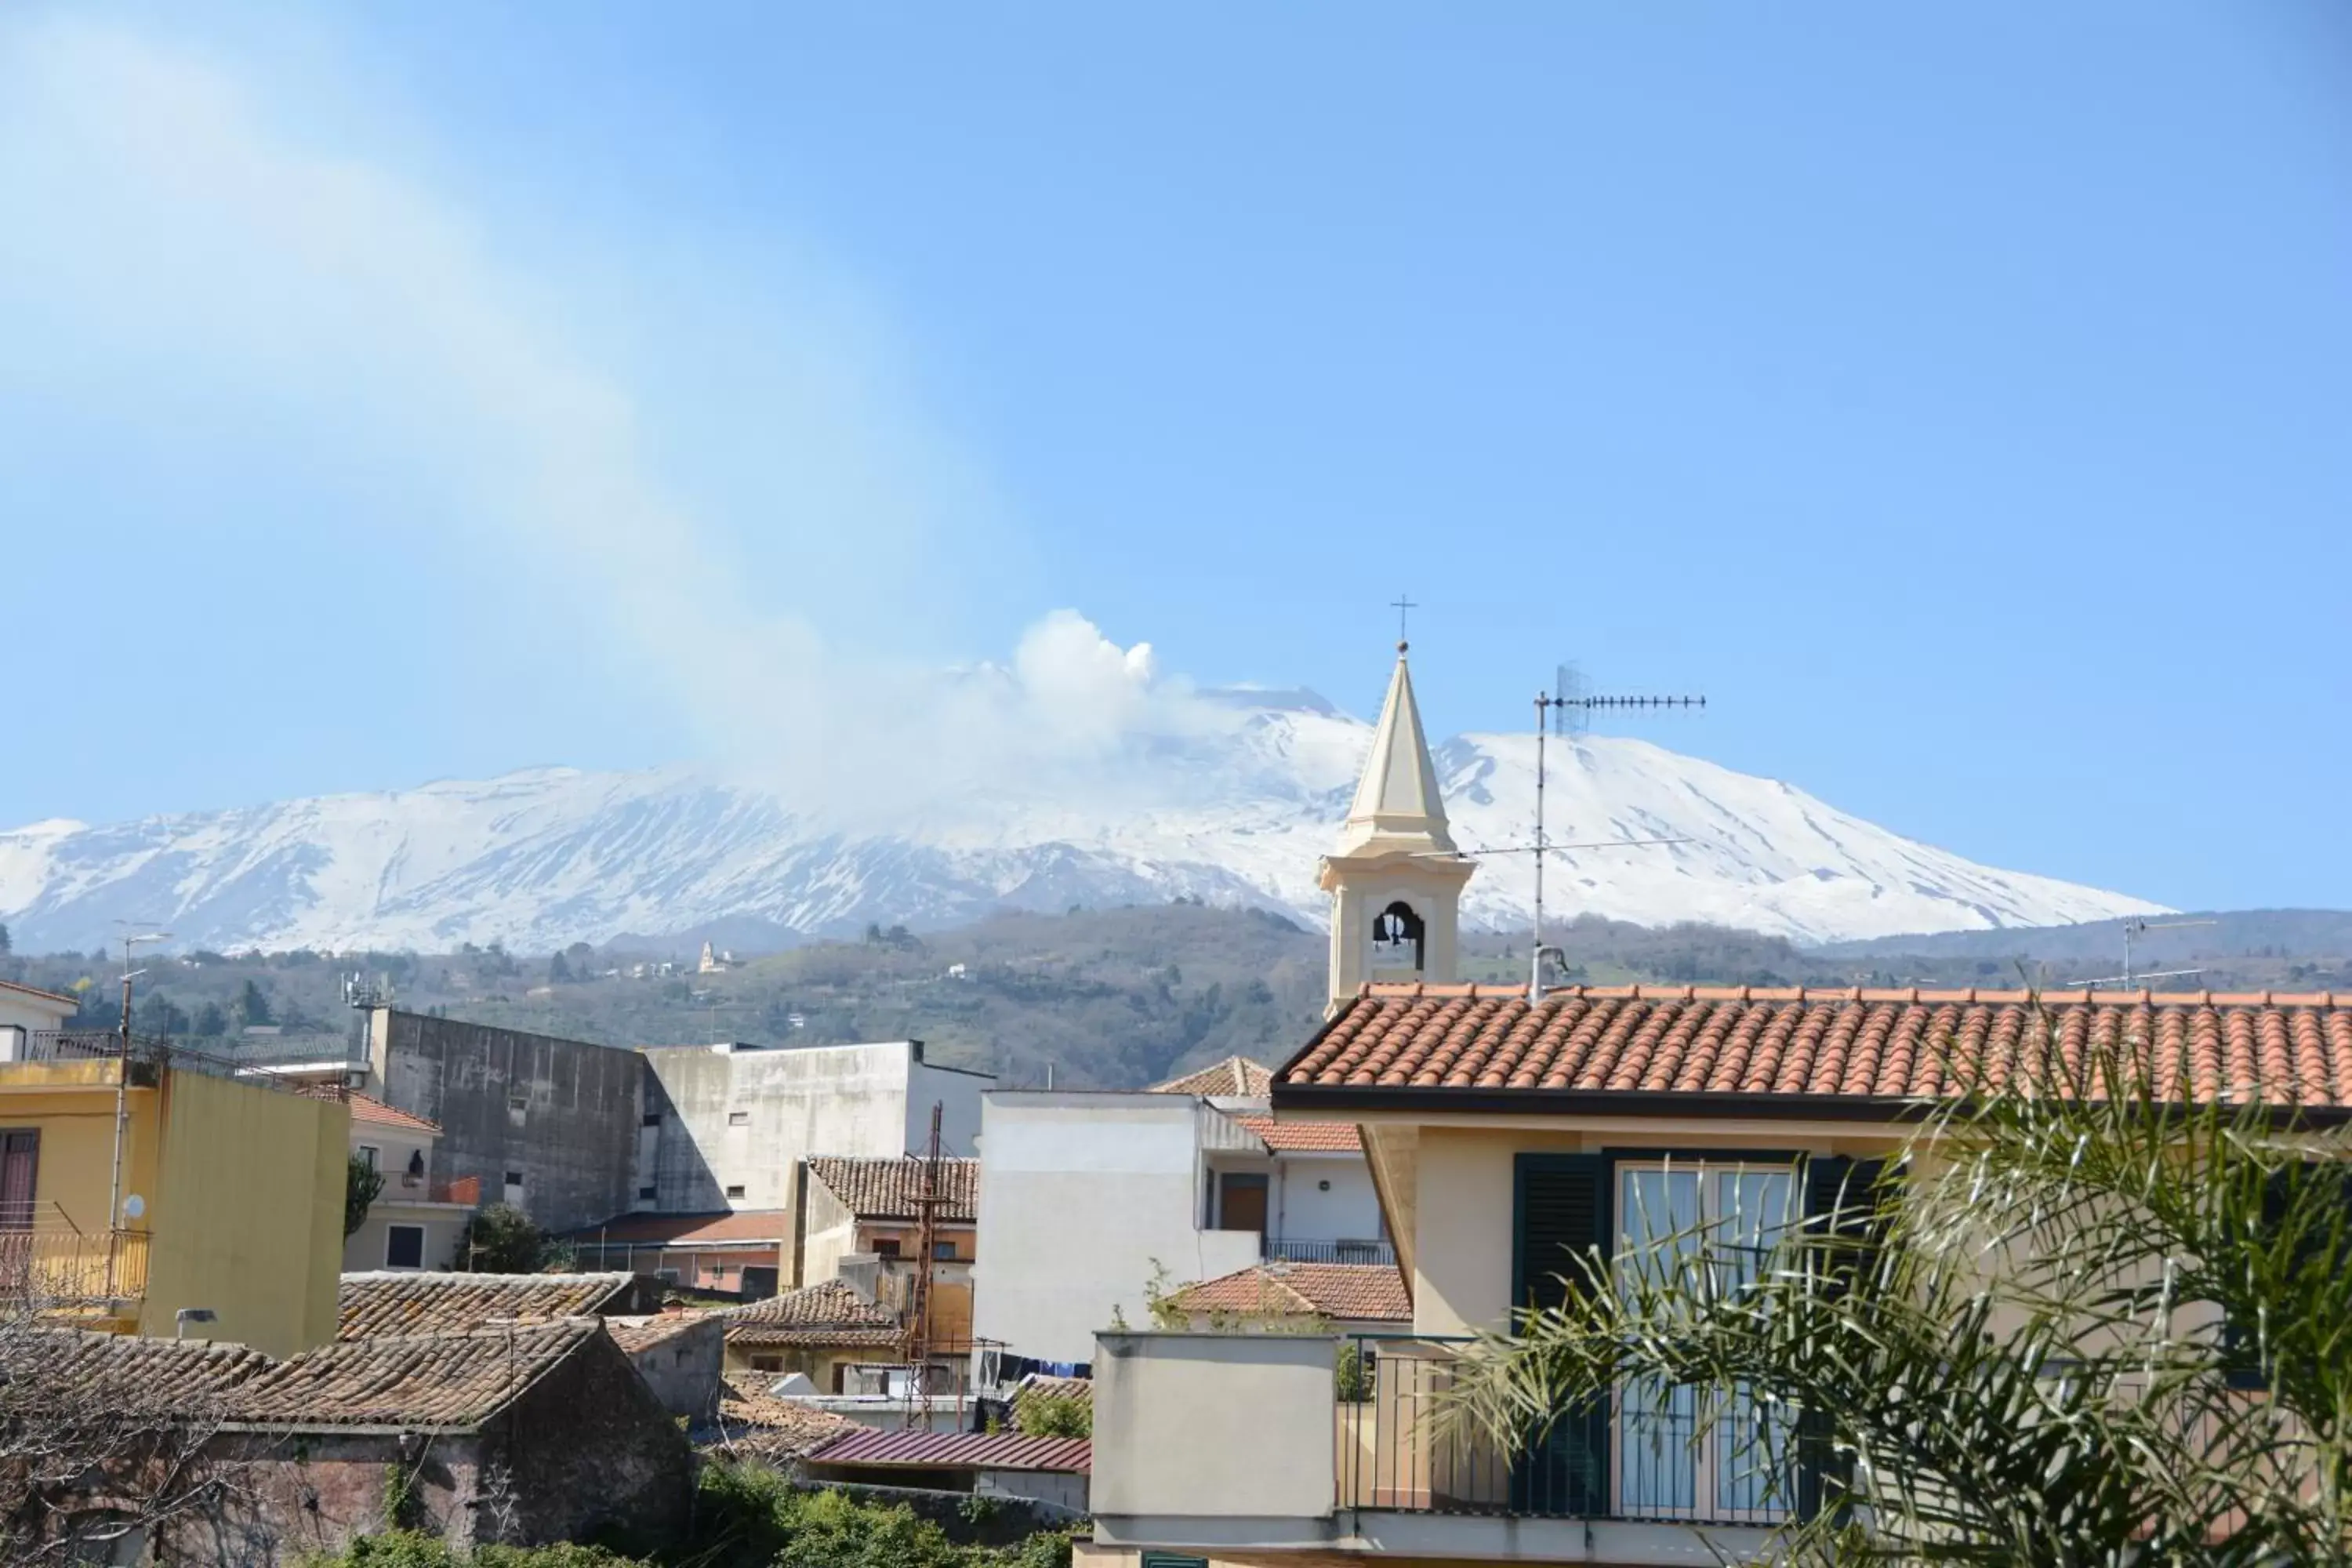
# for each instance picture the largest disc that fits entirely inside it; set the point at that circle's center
(2138, 926)
(1568, 706)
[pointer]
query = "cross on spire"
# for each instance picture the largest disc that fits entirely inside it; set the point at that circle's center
(1402, 605)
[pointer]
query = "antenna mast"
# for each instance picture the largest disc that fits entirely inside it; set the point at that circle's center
(1556, 706)
(919, 1294)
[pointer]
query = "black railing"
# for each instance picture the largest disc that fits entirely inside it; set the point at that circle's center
(1276, 1250)
(107, 1045)
(1634, 1460)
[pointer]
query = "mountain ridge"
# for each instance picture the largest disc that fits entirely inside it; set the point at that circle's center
(1234, 808)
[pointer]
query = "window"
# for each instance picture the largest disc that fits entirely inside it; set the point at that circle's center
(767, 1363)
(518, 1107)
(736, 1191)
(1660, 1208)
(514, 1178)
(1241, 1201)
(738, 1119)
(404, 1247)
(650, 1119)
(943, 1251)
(886, 1246)
(371, 1157)
(1171, 1560)
(647, 1192)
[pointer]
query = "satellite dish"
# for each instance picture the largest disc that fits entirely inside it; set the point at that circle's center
(134, 1206)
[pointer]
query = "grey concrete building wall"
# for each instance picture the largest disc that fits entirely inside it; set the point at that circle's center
(736, 1121)
(564, 1114)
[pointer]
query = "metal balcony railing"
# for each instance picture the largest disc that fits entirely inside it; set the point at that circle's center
(107, 1045)
(1633, 1461)
(1278, 1250)
(44, 1269)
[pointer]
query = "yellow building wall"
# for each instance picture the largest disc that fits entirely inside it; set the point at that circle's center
(248, 1212)
(71, 1105)
(1463, 1203)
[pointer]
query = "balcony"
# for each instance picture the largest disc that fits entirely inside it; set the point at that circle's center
(68, 1272)
(1278, 1250)
(1206, 1442)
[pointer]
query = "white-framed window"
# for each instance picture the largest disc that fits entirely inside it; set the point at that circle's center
(404, 1247)
(1662, 1206)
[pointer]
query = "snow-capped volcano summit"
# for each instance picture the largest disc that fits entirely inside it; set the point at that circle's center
(1234, 810)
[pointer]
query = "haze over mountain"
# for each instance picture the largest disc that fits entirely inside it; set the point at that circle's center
(1233, 811)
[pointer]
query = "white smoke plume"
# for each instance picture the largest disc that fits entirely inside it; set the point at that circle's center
(172, 207)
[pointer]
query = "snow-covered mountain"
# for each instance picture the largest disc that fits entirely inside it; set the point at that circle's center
(1235, 811)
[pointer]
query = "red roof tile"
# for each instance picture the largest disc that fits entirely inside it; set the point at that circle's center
(770, 1225)
(1350, 1291)
(956, 1450)
(370, 1305)
(1236, 1078)
(889, 1189)
(830, 1313)
(375, 1112)
(1866, 1045)
(1305, 1137)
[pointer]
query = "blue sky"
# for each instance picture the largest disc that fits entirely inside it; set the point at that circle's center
(1956, 394)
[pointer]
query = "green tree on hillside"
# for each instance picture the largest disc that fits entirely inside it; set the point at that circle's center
(252, 1005)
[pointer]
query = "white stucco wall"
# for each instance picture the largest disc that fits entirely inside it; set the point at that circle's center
(855, 1100)
(23, 1013)
(365, 1249)
(1350, 1211)
(1078, 1195)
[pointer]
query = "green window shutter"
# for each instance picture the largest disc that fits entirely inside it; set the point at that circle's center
(1172, 1560)
(1561, 1219)
(1836, 1191)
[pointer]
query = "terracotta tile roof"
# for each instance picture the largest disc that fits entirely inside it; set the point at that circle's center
(769, 1225)
(1341, 1291)
(132, 1369)
(385, 1303)
(1235, 1077)
(755, 1424)
(956, 1450)
(831, 1313)
(643, 1331)
(375, 1112)
(427, 1380)
(1863, 1046)
(888, 1189)
(72, 1002)
(1305, 1137)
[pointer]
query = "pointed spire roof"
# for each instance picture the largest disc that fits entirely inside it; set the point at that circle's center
(1397, 807)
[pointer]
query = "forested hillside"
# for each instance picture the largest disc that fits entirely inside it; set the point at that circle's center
(1102, 998)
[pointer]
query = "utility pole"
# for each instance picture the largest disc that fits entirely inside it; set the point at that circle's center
(918, 1295)
(122, 1105)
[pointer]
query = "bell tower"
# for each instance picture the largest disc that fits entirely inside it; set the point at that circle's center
(1395, 879)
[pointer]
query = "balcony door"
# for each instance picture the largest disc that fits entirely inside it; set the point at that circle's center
(20, 1165)
(1241, 1201)
(1733, 1476)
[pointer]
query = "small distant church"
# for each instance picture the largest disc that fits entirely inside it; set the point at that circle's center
(1396, 877)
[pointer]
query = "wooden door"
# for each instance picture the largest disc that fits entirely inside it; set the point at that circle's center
(1241, 1203)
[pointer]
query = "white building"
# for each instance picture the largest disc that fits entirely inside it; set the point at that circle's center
(1088, 1199)
(25, 1012)
(414, 1220)
(727, 1126)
